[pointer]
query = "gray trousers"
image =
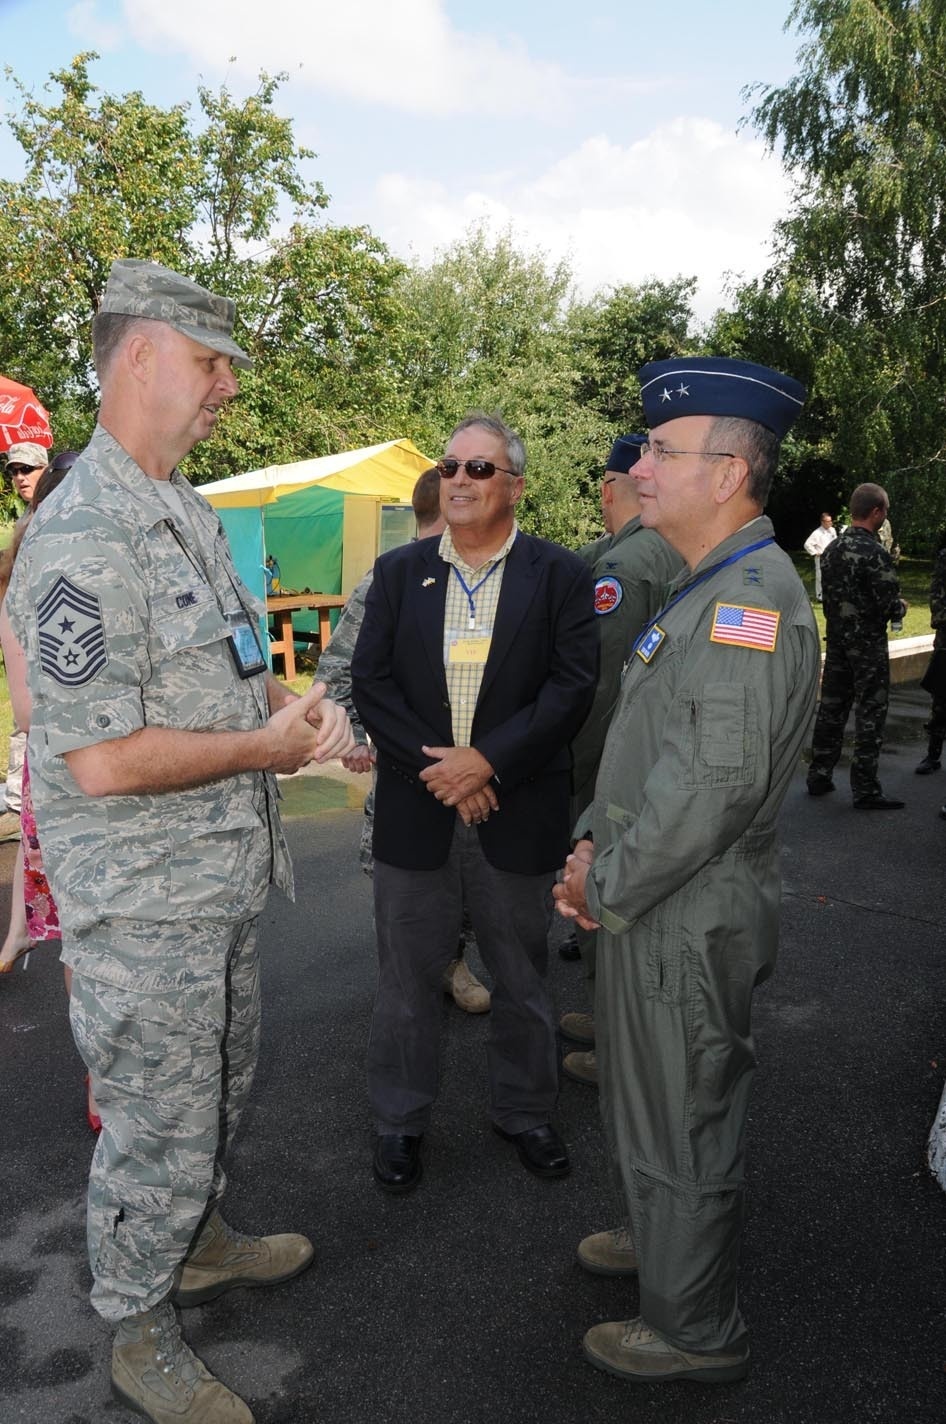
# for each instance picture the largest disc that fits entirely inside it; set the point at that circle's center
(171, 1070)
(418, 914)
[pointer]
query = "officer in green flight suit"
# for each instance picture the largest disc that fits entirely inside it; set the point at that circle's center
(676, 863)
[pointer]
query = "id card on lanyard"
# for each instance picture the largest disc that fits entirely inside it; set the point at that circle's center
(244, 644)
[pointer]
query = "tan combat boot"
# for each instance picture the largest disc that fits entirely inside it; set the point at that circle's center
(464, 987)
(222, 1259)
(156, 1374)
(630, 1350)
(609, 1253)
(583, 1067)
(580, 1028)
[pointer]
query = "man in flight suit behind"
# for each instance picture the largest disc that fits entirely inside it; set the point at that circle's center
(677, 863)
(156, 735)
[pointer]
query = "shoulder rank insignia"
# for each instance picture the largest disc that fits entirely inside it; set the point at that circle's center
(752, 574)
(742, 627)
(608, 594)
(71, 634)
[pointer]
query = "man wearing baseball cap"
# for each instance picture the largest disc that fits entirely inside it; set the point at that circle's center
(25, 463)
(677, 868)
(157, 732)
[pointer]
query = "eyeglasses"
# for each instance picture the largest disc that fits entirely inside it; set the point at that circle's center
(660, 452)
(22, 469)
(476, 469)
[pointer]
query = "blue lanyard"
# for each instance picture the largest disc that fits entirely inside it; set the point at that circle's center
(475, 589)
(679, 597)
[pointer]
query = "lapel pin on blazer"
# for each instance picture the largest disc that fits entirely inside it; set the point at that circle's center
(427, 582)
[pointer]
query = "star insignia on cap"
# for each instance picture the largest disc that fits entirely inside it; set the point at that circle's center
(665, 395)
(683, 390)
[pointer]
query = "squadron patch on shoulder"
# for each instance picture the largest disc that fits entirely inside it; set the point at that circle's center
(71, 634)
(608, 594)
(742, 627)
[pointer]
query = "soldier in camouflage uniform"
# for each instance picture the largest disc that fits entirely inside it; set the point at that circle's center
(861, 596)
(156, 735)
(936, 726)
(632, 567)
(335, 672)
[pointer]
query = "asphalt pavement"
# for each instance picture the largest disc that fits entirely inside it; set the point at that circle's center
(463, 1302)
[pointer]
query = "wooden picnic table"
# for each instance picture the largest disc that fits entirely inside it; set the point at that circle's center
(283, 605)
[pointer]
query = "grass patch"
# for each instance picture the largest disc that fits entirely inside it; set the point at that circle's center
(914, 576)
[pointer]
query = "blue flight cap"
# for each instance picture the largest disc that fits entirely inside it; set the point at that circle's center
(719, 385)
(625, 452)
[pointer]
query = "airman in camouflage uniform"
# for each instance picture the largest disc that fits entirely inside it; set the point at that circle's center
(861, 596)
(936, 726)
(677, 864)
(335, 672)
(155, 740)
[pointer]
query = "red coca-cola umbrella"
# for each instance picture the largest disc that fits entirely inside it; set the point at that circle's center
(21, 416)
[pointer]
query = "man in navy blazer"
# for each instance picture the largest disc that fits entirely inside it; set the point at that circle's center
(475, 666)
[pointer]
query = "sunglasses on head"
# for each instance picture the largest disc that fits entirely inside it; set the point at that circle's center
(476, 469)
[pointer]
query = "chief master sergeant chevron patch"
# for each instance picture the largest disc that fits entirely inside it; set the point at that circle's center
(71, 634)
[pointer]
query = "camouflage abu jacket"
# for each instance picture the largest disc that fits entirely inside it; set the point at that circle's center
(120, 610)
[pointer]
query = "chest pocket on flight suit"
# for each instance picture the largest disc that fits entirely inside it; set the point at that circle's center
(722, 735)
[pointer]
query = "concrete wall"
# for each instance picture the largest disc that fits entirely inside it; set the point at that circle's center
(909, 658)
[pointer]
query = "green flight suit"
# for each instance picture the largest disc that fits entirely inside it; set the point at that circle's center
(632, 572)
(685, 882)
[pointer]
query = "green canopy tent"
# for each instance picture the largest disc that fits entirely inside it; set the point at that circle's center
(324, 521)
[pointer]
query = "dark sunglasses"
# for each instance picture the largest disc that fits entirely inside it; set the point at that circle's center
(22, 469)
(476, 469)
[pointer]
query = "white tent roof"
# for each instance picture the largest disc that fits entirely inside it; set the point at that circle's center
(389, 469)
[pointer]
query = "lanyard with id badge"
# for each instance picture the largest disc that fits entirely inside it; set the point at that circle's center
(242, 640)
(244, 645)
(469, 645)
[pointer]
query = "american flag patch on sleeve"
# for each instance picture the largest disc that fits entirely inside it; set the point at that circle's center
(745, 627)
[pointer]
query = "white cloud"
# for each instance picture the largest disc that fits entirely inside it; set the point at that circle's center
(689, 198)
(404, 55)
(85, 23)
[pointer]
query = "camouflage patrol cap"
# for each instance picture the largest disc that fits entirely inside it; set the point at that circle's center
(146, 289)
(27, 453)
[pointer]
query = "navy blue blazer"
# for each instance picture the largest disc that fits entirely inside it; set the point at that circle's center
(537, 687)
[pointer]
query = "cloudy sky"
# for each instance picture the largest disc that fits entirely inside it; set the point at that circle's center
(604, 131)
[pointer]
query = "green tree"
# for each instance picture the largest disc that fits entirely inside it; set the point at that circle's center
(488, 330)
(105, 177)
(617, 332)
(862, 128)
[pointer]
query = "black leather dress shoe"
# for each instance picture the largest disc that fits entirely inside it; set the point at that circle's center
(397, 1166)
(540, 1149)
(877, 803)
